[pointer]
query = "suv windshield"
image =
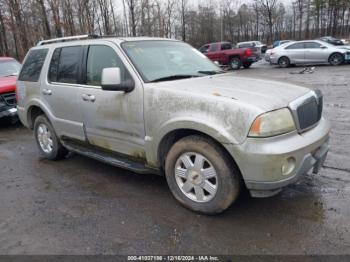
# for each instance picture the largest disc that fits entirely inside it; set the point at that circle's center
(9, 68)
(168, 60)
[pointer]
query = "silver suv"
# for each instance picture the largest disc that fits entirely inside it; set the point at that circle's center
(159, 106)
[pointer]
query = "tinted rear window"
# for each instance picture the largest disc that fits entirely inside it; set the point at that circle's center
(32, 66)
(296, 46)
(69, 64)
(53, 71)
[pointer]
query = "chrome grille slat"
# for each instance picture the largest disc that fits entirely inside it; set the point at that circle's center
(9, 98)
(307, 110)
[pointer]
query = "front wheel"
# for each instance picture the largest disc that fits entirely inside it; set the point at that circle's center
(235, 63)
(247, 65)
(201, 176)
(47, 141)
(336, 59)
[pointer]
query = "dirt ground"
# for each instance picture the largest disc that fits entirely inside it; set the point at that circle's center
(81, 206)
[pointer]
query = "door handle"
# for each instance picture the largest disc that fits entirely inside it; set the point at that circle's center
(85, 97)
(47, 92)
(92, 98)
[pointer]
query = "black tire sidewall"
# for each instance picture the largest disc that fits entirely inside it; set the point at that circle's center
(239, 63)
(284, 65)
(336, 54)
(57, 147)
(247, 65)
(228, 177)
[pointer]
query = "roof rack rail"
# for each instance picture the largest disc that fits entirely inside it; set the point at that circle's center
(65, 39)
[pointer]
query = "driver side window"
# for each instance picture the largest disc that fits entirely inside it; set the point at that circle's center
(100, 57)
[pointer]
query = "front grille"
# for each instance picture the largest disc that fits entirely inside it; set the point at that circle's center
(9, 99)
(307, 110)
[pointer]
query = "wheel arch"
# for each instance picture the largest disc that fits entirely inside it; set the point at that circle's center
(170, 138)
(334, 53)
(34, 110)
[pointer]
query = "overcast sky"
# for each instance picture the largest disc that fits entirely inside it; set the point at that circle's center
(194, 3)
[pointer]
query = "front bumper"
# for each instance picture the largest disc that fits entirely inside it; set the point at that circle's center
(261, 160)
(8, 112)
(310, 161)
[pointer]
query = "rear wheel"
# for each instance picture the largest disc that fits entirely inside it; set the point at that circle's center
(201, 176)
(336, 59)
(284, 62)
(235, 63)
(47, 141)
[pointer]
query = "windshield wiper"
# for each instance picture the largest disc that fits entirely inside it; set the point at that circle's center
(211, 72)
(173, 77)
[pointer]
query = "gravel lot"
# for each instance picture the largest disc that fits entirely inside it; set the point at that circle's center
(81, 206)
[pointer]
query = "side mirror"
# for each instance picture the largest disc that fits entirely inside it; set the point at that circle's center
(111, 80)
(323, 47)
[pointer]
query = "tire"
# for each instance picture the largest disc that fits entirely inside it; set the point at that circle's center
(223, 180)
(235, 63)
(336, 59)
(247, 65)
(284, 62)
(47, 141)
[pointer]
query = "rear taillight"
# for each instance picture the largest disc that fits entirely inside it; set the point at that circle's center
(248, 52)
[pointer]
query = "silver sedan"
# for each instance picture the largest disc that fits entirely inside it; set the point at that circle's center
(308, 52)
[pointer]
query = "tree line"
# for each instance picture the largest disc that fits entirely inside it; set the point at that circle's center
(24, 22)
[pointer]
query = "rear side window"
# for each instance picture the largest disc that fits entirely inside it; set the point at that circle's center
(53, 71)
(312, 45)
(32, 66)
(296, 46)
(213, 47)
(67, 70)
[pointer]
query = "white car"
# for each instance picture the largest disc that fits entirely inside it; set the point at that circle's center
(309, 52)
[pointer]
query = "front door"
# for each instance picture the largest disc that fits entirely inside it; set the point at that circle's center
(113, 120)
(314, 53)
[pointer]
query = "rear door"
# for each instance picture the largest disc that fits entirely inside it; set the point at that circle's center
(113, 119)
(61, 91)
(296, 52)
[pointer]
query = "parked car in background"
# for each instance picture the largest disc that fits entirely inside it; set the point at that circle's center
(208, 131)
(253, 44)
(309, 52)
(331, 40)
(272, 50)
(281, 42)
(225, 54)
(345, 44)
(9, 69)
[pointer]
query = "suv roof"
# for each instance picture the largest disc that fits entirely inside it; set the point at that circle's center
(84, 38)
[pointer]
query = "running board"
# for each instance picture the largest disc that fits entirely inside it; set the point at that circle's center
(108, 158)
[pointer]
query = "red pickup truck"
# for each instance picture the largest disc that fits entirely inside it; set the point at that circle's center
(9, 69)
(225, 54)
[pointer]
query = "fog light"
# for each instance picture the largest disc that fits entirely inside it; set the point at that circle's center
(288, 166)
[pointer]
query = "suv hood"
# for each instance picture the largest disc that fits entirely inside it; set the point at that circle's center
(264, 94)
(7, 84)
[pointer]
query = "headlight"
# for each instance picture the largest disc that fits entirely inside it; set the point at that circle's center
(272, 123)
